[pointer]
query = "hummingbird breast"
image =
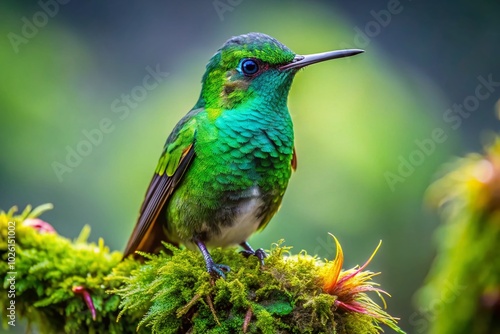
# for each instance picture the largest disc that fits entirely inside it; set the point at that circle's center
(236, 180)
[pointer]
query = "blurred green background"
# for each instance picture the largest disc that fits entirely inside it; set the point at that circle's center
(364, 126)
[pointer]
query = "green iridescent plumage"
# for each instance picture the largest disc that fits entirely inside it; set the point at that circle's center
(226, 165)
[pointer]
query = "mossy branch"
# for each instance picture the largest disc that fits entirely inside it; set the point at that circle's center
(58, 282)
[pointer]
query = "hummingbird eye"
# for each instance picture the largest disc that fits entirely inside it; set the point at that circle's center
(249, 67)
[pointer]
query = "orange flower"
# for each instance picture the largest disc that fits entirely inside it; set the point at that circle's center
(350, 288)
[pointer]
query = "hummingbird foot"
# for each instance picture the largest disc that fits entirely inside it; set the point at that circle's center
(249, 251)
(217, 269)
(214, 269)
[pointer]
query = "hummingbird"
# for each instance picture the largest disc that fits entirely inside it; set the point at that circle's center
(225, 167)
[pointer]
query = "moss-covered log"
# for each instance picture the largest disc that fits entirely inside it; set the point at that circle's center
(79, 287)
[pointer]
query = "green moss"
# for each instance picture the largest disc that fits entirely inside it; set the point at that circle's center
(46, 268)
(359, 323)
(283, 296)
(168, 293)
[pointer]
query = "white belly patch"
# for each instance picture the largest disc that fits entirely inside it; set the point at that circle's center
(244, 225)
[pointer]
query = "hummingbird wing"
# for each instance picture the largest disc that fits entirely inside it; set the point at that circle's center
(176, 157)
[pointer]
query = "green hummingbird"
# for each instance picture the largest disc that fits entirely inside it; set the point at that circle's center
(225, 167)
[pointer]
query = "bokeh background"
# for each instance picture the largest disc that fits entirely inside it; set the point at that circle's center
(364, 126)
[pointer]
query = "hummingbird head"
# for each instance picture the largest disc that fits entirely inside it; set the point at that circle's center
(254, 67)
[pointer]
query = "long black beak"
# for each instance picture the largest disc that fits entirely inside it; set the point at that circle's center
(301, 61)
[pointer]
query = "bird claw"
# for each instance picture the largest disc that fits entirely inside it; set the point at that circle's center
(214, 269)
(218, 270)
(259, 253)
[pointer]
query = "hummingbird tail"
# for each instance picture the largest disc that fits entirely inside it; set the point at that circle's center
(151, 243)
